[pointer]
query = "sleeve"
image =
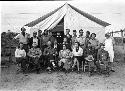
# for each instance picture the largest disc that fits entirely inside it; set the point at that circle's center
(45, 51)
(24, 53)
(98, 55)
(40, 53)
(113, 41)
(16, 53)
(81, 51)
(60, 54)
(29, 53)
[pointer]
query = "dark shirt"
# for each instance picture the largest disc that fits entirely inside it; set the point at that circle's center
(102, 55)
(69, 38)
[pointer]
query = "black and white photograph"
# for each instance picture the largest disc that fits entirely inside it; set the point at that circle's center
(68, 45)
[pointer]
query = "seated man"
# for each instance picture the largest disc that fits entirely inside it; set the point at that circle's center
(89, 57)
(103, 59)
(78, 55)
(20, 55)
(65, 56)
(49, 54)
(34, 54)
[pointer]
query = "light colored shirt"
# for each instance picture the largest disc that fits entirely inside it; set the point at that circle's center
(81, 40)
(35, 40)
(20, 53)
(22, 38)
(79, 53)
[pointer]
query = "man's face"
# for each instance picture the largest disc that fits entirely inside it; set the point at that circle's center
(64, 47)
(40, 32)
(67, 31)
(76, 45)
(65, 40)
(74, 33)
(34, 34)
(23, 30)
(102, 47)
(81, 33)
(21, 45)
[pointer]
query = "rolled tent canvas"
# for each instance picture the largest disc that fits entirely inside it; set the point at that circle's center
(73, 19)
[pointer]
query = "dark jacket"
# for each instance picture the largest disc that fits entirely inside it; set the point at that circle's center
(31, 42)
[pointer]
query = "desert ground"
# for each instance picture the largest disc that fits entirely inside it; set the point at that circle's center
(59, 81)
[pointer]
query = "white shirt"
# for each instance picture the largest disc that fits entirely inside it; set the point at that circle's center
(81, 40)
(79, 53)
(20, 53)
(22, 38)
(35, 40)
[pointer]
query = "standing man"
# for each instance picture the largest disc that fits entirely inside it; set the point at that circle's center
(87, 38)
(74, 38)
(68, 36)
(81, 39)
(23, 38)
(40, 38)
(109, 42)
(34, 39)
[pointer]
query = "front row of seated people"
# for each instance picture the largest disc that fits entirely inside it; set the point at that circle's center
(67, 59)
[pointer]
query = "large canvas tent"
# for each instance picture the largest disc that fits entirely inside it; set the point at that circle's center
(73, 19)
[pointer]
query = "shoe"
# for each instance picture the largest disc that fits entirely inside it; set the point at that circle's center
(112, 71)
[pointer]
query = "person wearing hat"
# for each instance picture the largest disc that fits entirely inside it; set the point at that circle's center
(103, 59)
(23, 38)
(34, 54)
(109, 44)
(34, 39)
(74, 38)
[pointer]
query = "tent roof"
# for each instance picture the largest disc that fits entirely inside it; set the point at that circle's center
(92, 18)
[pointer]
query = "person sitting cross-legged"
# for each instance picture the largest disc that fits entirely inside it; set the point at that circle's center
(65, 56)
(49, 54)
(34, 55)
(20, 55)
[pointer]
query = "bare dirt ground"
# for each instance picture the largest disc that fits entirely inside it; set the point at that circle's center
(59, 81)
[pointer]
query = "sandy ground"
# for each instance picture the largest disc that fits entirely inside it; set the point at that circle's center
(59, 81)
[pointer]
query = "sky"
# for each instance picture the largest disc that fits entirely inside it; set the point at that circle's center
(15, 14)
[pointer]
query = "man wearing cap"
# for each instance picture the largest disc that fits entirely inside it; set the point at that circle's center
(23, 38)
(74, 38)
(34, 39)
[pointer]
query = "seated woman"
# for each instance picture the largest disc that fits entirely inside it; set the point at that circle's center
(78, 55)
(49, 54)
(34, 54)
(65, 56)
(20, 55)
(103, 60)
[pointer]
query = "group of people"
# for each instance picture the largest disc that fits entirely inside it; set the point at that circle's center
(46, 52)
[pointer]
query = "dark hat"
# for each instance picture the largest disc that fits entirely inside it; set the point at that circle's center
(74, 30)
(23, 29)
(80, 30)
